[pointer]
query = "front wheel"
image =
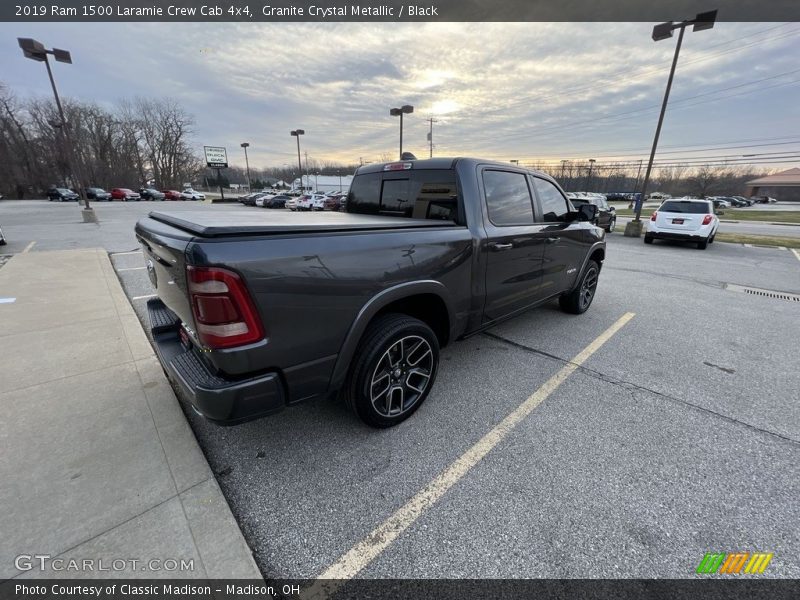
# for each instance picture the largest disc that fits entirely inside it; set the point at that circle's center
(580, 299)
(611, 225)
(393, 370)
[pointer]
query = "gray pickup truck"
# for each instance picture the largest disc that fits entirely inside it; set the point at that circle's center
(259, 310)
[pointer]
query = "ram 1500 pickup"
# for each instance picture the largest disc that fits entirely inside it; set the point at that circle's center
(259, 310)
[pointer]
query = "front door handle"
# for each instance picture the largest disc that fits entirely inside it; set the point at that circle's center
(552, 240)
(499, 246)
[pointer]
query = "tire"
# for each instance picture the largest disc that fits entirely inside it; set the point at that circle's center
(648, 239)
(580, 299)
(611, 225)
(385, 354)
(702, 245)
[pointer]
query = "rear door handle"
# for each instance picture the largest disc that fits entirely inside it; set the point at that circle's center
(499, 246)
(552, 240)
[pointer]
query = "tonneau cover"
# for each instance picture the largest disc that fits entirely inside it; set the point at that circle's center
(219, 223)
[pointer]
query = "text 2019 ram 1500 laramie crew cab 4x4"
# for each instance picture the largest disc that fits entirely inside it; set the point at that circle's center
(259, 310)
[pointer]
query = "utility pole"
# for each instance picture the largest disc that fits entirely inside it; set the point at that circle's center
(246, 145)
(431, 121)
(308, 177)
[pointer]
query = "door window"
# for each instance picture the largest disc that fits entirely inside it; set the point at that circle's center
(508, 198)
(554, 204)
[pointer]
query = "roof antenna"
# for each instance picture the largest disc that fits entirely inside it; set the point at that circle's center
(407, 156)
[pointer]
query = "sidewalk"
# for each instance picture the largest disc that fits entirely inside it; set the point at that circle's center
(97, 460)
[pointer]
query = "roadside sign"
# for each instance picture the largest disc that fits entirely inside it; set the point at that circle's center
(216, 157)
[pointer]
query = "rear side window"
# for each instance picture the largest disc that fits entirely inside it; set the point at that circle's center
(508, 198)
(695, 208)
(554, 205)
(423, 194)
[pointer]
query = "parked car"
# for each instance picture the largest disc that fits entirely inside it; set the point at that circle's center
(683, 219)
(762, 199)
(151, 194)
(190, 194)
(292, 203)
(746, 201)
(172, 195)
(311, 202)
(264, 196)
(333, 202)
(124, 194)
(255, 313)
(734, 201)
(99, 194)
(720, 203)
(62, 195)
(606, 214)
(276, 202)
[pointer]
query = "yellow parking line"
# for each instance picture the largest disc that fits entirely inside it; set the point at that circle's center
(368, 549)
(28, 247)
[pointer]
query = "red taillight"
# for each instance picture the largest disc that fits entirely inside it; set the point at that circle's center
(223, 311)
(653, 216)
(707, 219)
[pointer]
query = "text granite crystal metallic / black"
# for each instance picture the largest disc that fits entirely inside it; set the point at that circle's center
(259, 311)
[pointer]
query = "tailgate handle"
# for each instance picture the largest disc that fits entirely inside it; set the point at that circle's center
(498, 246)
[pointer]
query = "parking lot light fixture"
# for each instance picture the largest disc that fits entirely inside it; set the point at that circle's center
(663, 31)
(246, 145)
(406, 109)
(35, 50)
(297, 133)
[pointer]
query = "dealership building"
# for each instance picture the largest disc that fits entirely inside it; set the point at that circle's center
(323, 183)
(781, 186)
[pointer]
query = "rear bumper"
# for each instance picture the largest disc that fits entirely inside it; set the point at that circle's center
(685, 237)
(216, 398)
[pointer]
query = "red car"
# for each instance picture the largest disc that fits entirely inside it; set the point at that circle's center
(171, 195)
(124, 194)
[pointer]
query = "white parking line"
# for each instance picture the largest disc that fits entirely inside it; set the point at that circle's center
(368, 549)
(131, 269)
(143, 297)
(122, 253)
(796, 253)
(28, 247)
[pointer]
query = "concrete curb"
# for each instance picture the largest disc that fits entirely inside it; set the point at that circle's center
(98, 460)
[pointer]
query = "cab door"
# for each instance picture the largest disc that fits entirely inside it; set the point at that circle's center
(514, 246)
(565, 240)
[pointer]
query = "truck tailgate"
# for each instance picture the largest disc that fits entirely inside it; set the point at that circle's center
(164, 254)
(217, 223)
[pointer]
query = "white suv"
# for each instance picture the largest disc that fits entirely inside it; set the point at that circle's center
(683, 219)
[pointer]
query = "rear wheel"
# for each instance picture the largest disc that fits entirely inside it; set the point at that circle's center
(393, 370)
(648, 239)
(702, 245)
(580, 299)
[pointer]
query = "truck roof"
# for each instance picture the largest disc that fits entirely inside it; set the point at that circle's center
(439, 163)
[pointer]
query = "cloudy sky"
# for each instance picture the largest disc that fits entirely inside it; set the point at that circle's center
(522, 91)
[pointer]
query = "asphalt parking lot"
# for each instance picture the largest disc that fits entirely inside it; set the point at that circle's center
(680, 435)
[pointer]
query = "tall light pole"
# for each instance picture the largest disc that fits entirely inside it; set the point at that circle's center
(589, 176)
(36, 51)
(297, 133)
(663, 31)
(246, 145)
(431, 120)
(399, 112)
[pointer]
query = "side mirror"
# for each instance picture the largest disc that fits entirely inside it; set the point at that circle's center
(587, 212)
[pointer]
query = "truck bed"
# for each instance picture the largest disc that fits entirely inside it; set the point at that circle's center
(223, 223)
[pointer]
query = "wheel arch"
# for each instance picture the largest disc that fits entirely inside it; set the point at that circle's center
(429, 301)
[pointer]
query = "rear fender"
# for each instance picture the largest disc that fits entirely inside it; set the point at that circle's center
(372, 308)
